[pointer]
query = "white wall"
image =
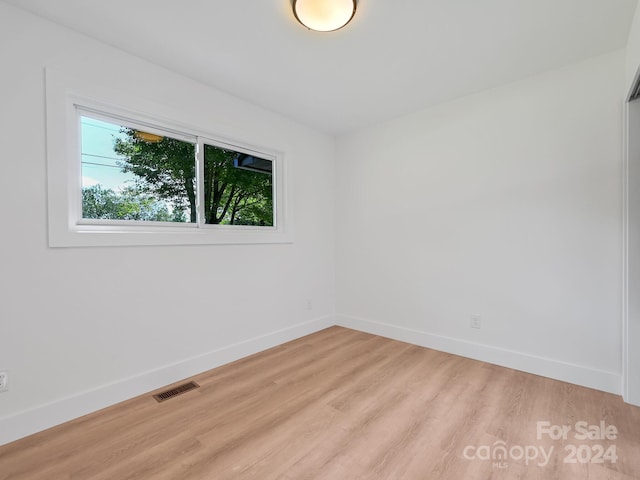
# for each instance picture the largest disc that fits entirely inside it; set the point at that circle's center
(81, 328)
(631, 324)
(505, 204)
(632, 320)
(633, 51)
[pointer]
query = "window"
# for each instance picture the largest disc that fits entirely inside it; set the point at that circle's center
(130, 173)
(118, 177)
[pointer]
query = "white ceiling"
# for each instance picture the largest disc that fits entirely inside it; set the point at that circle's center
(396, 56)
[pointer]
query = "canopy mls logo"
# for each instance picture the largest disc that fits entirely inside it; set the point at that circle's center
(500, 454)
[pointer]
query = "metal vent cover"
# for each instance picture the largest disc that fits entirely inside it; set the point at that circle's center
(174, 392)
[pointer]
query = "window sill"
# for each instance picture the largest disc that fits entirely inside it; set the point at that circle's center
(143, 235)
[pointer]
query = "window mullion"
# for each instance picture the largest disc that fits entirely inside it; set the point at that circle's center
(200, 181)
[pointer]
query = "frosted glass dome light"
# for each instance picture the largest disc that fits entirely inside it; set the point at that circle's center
(324, 15)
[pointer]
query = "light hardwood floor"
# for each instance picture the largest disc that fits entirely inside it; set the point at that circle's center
(339, 405)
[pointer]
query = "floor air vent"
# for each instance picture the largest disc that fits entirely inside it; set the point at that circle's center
(174, 392)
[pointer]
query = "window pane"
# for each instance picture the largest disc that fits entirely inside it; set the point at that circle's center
(129, 174)
(238, 188)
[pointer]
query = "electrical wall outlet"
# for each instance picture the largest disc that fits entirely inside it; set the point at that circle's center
(309, 304)
(4, 381)
(476, 321)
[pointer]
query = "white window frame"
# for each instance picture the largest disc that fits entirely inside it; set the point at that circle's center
(67, 100)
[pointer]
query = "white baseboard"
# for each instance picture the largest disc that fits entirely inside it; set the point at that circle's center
(34, 420)
(579, 375)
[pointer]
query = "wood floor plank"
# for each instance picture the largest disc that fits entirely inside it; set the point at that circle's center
(340, 404)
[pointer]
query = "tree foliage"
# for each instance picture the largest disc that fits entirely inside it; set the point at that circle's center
(233, 195)
(166, 169)
(130, 204)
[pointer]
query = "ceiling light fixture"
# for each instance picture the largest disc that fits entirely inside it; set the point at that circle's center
(324, 15)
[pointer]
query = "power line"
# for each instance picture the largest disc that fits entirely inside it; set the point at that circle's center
(101, 126)
(103, 156)
(101, 165)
